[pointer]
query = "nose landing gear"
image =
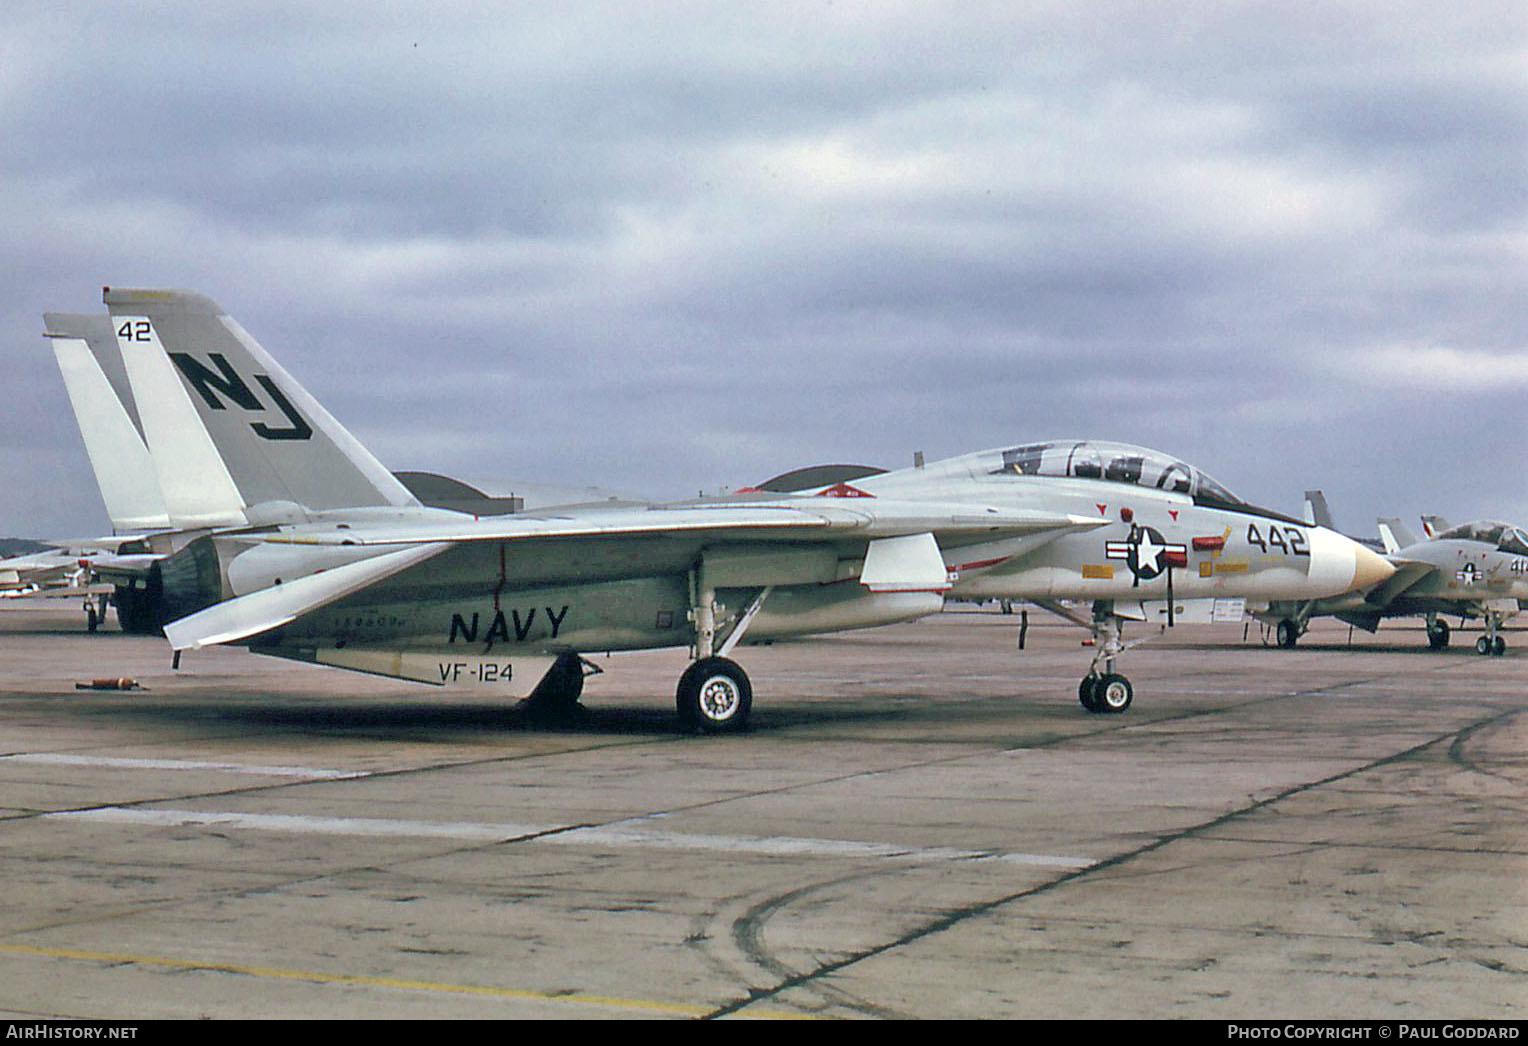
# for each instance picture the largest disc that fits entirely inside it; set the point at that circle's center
(1493, 643)
(1103, 691)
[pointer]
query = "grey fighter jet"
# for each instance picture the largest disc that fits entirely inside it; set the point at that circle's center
(1476, 570)
(302, 546)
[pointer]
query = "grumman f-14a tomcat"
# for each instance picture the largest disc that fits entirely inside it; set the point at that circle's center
(294, 541)
(1477, 569)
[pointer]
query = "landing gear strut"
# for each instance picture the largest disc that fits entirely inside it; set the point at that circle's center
(1492, 643)
(1105, 692)
(714, 695)
(95, 611)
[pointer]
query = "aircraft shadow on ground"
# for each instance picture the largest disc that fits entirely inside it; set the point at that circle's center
(1357, 649)
(444, 721)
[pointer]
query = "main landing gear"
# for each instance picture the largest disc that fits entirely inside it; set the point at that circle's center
(1437, 632)
(95, 611)
(714, 695)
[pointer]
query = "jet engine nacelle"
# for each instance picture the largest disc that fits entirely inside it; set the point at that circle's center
(805, 609)
(180, 584)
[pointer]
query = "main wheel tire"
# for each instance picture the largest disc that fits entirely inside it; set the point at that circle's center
(1288, 634)
(1483, 646)
(1499, 645)
(1112, 694)
(1085, 693)
(714, 696)
(1437, 635)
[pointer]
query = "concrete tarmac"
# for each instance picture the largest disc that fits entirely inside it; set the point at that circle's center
(922, 823)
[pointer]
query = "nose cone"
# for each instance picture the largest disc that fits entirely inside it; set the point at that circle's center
(1369, 568)
(1339, 564)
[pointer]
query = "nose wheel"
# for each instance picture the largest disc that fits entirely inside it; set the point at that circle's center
(1104, 691)
(1491, 645)
(1493, 642)
(1106, 694)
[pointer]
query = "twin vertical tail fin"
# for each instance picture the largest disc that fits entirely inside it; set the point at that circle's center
(1316, 511)
(1395, 535)
(102, 400)
(227, 428)
(1432, 526)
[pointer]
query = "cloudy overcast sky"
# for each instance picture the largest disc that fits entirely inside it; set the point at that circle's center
(668, 247)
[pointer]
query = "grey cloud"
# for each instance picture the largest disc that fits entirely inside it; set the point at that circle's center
(667, 247)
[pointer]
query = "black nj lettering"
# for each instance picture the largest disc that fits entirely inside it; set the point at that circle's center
(204, 381)
(208, 384)
(299, 429)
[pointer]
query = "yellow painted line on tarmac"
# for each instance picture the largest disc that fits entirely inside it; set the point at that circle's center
(319, 977)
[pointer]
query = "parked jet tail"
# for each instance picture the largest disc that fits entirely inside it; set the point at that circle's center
(1432, 526)
(1316, 511)
(227, 427)
(1319, 514)
(1396, 535)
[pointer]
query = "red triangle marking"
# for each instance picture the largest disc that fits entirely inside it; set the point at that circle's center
(843, 490)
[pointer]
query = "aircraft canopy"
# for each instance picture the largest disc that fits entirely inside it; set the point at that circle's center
(1118, 463)
(1507, 538)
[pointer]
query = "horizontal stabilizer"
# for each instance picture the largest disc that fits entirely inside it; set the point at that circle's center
(126, 568)
(269, 608)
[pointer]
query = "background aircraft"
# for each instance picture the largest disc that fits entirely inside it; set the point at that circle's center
(57, 573)
(301, 545)
(1477, 570)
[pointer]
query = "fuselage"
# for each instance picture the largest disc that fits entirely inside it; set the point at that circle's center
(1164, 529)
(1104, 522)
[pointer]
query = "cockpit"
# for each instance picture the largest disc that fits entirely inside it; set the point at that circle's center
(1504, 537)
(1117, 463)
